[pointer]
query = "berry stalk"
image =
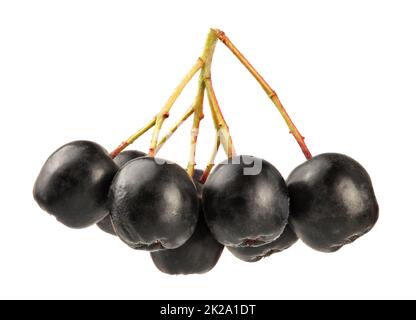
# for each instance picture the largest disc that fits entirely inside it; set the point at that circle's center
(205, 84)
(172, 130)
(164, 113)
(206, 57)
(222, 128)
(211, 162)
(269, 91)
(198, 116)
(133, 138)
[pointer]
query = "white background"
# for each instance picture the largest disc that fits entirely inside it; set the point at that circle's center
(99, 70)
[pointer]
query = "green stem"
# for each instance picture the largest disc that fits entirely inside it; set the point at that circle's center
(205, 73)
(211, 162)
(164, 113)
(175, 127)
(133, 138)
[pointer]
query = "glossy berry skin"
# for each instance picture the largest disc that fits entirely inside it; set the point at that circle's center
(73, 183)
(105, 224)
(153, 204)
(254, 254)
(197, 176)
(128, 155)
(332, 201)
(245, 210)
(198, 255)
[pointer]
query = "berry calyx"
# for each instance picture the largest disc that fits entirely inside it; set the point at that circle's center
(253, 254)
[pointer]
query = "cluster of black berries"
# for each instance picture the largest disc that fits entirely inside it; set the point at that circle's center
(153, 205)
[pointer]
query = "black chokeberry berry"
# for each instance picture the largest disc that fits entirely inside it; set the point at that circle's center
(198, 255)
(332, 201)
(153, 204)
(246, 202)
(105, 224)
(128, 155)
(254, 254)
(73, 183)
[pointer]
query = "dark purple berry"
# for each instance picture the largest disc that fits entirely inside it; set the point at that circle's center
(153, 204)
(105, 224)
(246, 202)
(332, 201)
(73, 184)
(254, 254)
(198, 255)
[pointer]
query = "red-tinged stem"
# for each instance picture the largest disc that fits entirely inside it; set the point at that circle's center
(222, 128)
(270, 92)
